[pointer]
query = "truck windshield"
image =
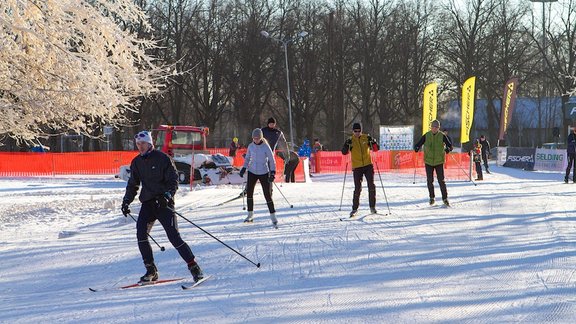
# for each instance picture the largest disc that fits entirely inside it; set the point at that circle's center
(186, 138)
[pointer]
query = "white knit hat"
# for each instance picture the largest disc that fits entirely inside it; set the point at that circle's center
(143, 136)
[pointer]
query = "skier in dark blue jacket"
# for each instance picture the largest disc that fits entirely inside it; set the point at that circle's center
(155, 171)
(571, 153)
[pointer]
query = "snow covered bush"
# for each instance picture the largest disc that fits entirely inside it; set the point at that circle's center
(69, 64)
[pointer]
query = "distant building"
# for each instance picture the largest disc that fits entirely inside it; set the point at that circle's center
(533, 121)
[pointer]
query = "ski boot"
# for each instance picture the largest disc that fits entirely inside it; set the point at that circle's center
(151, 273)
(446, 203)
(353, 213)
(432, 201)
(274, 220)
(250, 217)
(565, 179)
(373, 210)
(195, 271)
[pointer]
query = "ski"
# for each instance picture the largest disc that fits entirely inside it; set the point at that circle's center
(195, 284)
(138, 285)
(355, 217)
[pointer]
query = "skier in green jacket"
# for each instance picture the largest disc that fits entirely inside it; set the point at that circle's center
(436, 146)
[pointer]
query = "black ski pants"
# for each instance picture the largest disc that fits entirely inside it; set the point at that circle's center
(149, 213)
(439, 169)
(479, 170)
(359, 173)
(266, 188)
(571, 162)
(289, 171)
(485, 159)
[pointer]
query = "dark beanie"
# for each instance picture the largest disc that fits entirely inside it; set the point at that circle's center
(271, 120)
(356, 126)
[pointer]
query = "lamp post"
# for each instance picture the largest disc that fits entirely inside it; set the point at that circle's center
(285, 43)
(544, 49)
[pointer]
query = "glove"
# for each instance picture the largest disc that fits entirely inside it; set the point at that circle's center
(416, 149)
(373, 145)
(125, 208)
(272, 176)
(447, 150)
(242, 171)
(165, 200)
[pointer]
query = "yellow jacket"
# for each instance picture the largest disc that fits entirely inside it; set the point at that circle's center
(360, 150)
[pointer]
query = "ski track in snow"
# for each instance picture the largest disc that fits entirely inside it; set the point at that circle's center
(504, 252)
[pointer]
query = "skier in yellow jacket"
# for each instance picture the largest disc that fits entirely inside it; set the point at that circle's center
(359, 145)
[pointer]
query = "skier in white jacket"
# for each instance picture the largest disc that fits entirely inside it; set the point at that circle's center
(260, 163)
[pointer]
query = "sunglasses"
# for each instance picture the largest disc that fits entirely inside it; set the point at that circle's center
(141, 135)
(356, 131)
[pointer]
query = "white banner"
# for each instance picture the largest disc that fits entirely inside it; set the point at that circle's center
(396, 138)
(550, 160)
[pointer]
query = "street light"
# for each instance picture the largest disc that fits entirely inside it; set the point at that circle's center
(285, 43)
(544, 50)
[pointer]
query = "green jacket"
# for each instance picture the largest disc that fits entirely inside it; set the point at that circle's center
(436, 146)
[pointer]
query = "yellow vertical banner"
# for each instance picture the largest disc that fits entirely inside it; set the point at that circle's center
(468, 90)
(429, 106)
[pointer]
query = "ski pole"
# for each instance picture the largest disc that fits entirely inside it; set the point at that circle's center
(231, 199)
(150, 236)
(291, 206)
(383, 190)
(461, 168)
(214, 237)
(343, 183)
(415, 157)
(244, 195)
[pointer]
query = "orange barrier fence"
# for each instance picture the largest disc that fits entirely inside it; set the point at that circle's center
(456, 166)
(47, 164)
(43, 164)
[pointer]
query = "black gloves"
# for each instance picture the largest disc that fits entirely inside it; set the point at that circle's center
(165, 200)
(416, 149)
(242, 171)
(447, 150)
(347, 146)
(125, 208)
(272, 176)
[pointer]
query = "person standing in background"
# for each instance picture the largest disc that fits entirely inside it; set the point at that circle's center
(571, 154)
(316, 147)
(274, 136)
(233, 147)
(291, 165)
(477, 158)
(485, 151)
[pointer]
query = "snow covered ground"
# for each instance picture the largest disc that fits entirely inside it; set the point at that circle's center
(504, 252)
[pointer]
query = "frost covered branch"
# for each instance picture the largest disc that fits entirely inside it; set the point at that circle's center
(67, 64)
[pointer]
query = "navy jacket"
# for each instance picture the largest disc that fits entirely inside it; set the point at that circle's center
(272, 135)
(571, 143)
(156, 173)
